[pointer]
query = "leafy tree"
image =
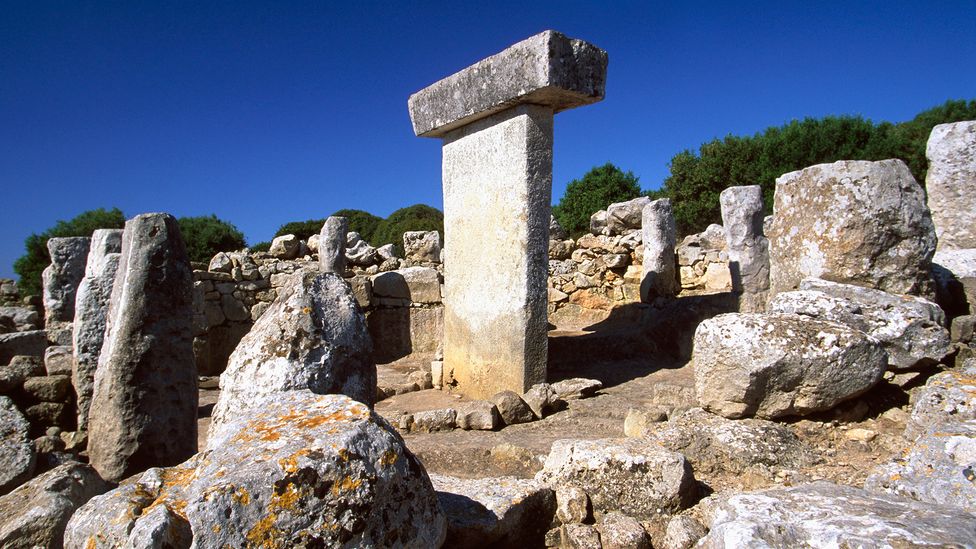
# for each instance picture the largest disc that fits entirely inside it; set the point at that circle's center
(302, 229)
(599, 187)
(30, 265)
(261, 246)
(361, 222)
(419, 217)
(206, 235)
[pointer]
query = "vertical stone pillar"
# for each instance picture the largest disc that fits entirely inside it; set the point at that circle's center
(659, 276)
(91, 308)
(62, 276)
(742, 215)
(495, 119)
(332, 245)
(950, 184)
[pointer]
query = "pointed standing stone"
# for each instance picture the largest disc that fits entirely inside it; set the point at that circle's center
(62, 276)
(143, 410)
(332, 245)
(742, 216)
(91, 308)
(496, 120)
(659, 235)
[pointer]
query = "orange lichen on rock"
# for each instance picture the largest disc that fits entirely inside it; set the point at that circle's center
(265, 533)
(346, 484)
(388, 458)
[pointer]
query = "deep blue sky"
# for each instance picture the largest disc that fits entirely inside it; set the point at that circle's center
(267, 112)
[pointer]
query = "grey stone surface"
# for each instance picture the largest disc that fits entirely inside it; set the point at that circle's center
(48, 388)
(579, 536)
(954, 272)
(748, 248)
(619, 531)
(144, 401)
(359, 252)
(417, 284)
(857, 222)
(626, 216)
(547, 69)
(422, 246)
(478, 415)
(775, 365)
(36, 513)
(945, 398)
(683, 532)
(12, 375)
(950, 183)
(910, 329)
(61, 278)
(332, 245)
(659, 276)
(576, 388)
(430, 421)
(512, 408)
(298, 469)
(494, 512)
(219, 263)
(23, 319)
(572, 505)
(313, 337)
(540, 398)
(58, 359)
(598, 222)
(828, 515)
(17, 456)
(632, 476)
(285, 246)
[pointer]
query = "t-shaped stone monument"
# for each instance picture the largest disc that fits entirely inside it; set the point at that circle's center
(495, 119)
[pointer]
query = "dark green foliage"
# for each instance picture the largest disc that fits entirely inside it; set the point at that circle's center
(206, 235)
(30, 265)
(301, 229)
(419, 217)
(261, 246)
(600, 187)
(361, 222)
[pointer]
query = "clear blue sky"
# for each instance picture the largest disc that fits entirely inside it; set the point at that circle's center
(267, 112)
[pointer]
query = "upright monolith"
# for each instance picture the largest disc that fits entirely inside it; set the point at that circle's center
(332, 245)
(659, 273)
(950, 184)
(495, 119)
(143, 410)
(748, 249)
(61, 278)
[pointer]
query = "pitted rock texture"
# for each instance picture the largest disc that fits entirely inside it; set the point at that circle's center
(858, 222)
(911, 329)
(299, 469)
(768, 366)
(498, 512)
(825, 515)
(633, 476)
(36, 513)
(946, 397)
(61, 278)
(951, 183)
(17, 457)
(424, 246)
(332, 245)
(313, 336)
(626, 216)
(748, 248)
(144, 402)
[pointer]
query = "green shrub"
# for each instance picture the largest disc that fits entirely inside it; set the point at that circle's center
(419, 217)
(261, 246)
(30, 265)
(598, 188)
(206, 235)
(302, 229)
(361, 222)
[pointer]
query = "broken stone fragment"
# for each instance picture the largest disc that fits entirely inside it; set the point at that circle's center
(512, 408)
(17, 454)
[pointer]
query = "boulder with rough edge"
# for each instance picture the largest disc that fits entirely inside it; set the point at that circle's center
(683, 532)
(17, 456)
(598, 222)
(416, 284)
(858, 222)
(748, 248)
(950, 183)
(36, 513)
(23, 319)
(285, 246)
(829, 515)
(775, 365)
(631, 476)
(297, 470)
(626, 216)
(946, 397)
(622, 532)
(61, 278)
(911, 329)
(313, 336)
(940, 467)
(494, 512)
(424, 246)
(954, 272)
(91, 309)
(576, 388)
(359, 252)
(144, 400)
(221, 263)
(512, 408)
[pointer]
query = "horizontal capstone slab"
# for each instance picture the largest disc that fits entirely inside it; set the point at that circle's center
(546, 69)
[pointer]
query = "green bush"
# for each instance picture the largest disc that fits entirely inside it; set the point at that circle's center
(302, 229)
(419, 217)
(206, 235)
(261, 246)
(30, 265)
(361, 222)
(599, 187)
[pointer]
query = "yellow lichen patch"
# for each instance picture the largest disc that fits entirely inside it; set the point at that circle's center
(306, 310)
(343, 454)
(215, 528)
(346, 484)
(90, 543)
(241, 496)
(290, 464)
(388, 458)
(265, 533)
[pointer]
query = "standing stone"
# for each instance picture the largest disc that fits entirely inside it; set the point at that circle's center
(748, 249)
(495, 119)
(144, 404)
(332, 245)
(91, 306)
(660, 278)
(951, 184)
(856, 222)
(62, 276)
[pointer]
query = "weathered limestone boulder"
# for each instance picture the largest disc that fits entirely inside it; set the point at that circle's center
(775, 365)
(478, 415)
(494, 512)
(598, 222)
(748, 249)
(22, 318)
(332, 245)
(144, 401)
(632, 476)
(946, 397)
(512, 409)
(828, 515)
(857, 222)
(358, 251)
(424, 246)
(659, 276)
(416, 284)
(938, 467)
(312, 337)
(285, 246)
(619, 531)
(297, 470)
(17, 457)
(61, 277)
(626, 216)
(13, 375)
(58, 360)
(91, 308)
(36, 513)
(910, 329)
(220, 263)
(950, 184)
(683, 532)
